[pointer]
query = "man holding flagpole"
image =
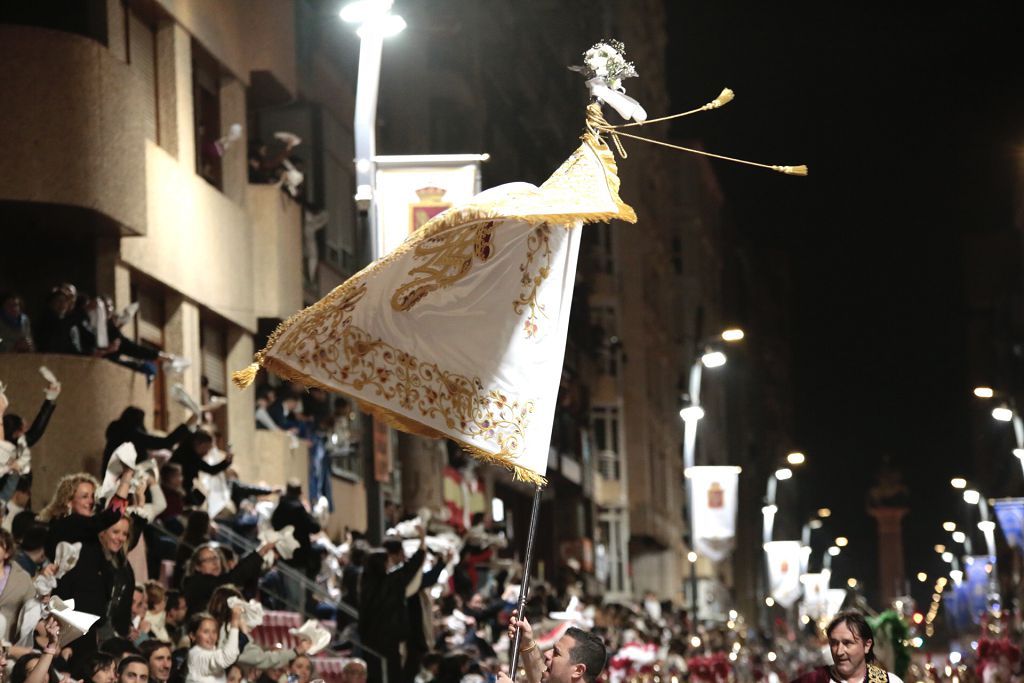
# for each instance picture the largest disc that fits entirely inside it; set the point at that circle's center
(576, 656)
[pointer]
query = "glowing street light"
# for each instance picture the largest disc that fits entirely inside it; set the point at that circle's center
(691, 556)
(959, 536)
(824, 513)
(971, 497)
(922, 577)
(691, 414)
(770, 601)
(733, 334)
(987, 526)
(815, 524)
(796, 458)
(1002, 413)
(984, 392)
(939, 548)
(949, 526)
(958, 482)
(783, 473)
(713, 359)
(833, 550)
(947, 557)
(851, 582)
(842, 541)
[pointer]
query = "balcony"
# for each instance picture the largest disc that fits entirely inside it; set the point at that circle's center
(277, 251)
(95, 391)
(74, 115)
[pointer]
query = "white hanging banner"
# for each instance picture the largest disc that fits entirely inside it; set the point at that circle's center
(834, 599)
(784, 571)
(815, 600)
(713, 509)
(413, 189)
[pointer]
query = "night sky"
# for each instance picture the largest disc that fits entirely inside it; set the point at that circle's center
(910, 120)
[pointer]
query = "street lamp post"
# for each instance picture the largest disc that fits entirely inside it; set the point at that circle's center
(375, 22)
(1006, 412)
(711, 357)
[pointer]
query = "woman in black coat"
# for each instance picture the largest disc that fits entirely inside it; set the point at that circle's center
(131, 428)
(72, 518)
(206, 572)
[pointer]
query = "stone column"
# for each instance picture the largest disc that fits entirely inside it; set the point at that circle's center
(422, 461)
(891, 570)
(241, 404)
(181, 337)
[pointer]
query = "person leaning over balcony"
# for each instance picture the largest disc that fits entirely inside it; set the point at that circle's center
(17, 440)
(15, 328)
(72, 518)
(131, 427)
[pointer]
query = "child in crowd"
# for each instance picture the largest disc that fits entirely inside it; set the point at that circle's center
(208, 661)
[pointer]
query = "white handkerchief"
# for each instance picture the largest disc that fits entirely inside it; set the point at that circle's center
(73, 625)
(48, 374)
(124, 456)
(283, 540)
(315, 633)
(183, 398)
(252, 611)
(45, 584)
(66, 557)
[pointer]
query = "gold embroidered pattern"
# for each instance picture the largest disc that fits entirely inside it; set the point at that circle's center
(350, 357)
(877, 674)
(449, 258)
(538, 246)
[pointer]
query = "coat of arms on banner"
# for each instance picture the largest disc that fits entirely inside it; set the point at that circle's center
(430, 204)
(716, 496)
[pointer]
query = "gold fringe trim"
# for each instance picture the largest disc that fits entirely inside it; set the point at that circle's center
(406, 424)
(246, 376)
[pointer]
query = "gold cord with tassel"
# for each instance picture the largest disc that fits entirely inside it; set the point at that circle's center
(724, 98)
(788, 170)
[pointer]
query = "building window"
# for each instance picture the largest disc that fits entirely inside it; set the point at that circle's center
(343, 441)
(142, 58)
(149, 331)
(605, 317)
(206, 106)
(607, 440)
(604, 249)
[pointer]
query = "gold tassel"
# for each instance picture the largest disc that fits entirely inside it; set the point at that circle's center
(243, 378)
(724, 98)
(791, 170)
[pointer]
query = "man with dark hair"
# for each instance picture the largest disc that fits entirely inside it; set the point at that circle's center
(852, 645)
(576, 656)
(291, 511)
(176, 611)
(190, 453)
(133, 669)
(158, 657)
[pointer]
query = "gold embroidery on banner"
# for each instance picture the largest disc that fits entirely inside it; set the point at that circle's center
(877, 674)
(348, 356)
(449, 258)
(538, 246)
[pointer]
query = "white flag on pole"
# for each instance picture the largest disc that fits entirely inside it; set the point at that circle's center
(815, 593)
(834, 600)
(784, 571)
(713, 509)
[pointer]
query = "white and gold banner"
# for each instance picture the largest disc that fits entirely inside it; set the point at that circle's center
(713, 509)
(784, 571)
(460, 331)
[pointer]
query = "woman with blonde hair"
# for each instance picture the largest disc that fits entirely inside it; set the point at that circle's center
(72, 518)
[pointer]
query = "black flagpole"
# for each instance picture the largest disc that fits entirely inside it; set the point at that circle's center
(524, 587)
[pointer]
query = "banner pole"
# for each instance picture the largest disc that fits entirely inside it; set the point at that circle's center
(524, 587)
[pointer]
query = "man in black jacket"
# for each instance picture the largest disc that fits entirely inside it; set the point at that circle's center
(190, 453)
(291, 511)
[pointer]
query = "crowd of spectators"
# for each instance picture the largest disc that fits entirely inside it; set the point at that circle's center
(74, 322)
(169, 547)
